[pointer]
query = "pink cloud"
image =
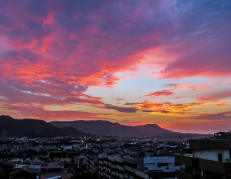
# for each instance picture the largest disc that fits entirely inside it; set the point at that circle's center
(36, 111)
(215, 95)
(119, 99)
(186, 86)
(201, 60)
(162, 93)
(219, 116)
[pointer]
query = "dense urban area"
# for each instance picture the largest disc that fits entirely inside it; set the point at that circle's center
(124, 157)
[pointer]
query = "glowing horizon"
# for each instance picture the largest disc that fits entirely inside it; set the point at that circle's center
(131, 62)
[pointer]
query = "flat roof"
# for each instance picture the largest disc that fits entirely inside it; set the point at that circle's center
(206, 144)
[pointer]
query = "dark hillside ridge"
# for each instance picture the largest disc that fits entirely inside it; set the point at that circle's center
(34, 128)
(113, 129)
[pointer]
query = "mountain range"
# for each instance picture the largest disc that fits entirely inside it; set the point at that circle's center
(40, 128)
(113, 129)
(34, 128)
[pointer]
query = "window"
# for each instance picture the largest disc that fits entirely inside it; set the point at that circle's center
(220, 157)
(162, 164)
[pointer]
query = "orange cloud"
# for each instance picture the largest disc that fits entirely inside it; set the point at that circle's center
(182, 109)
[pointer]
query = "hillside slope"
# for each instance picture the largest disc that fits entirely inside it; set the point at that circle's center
(109, 128)
(34, 128)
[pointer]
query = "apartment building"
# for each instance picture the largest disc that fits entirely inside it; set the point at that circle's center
(92, 159)
(211, 159)
(81, 161)
(133, 163)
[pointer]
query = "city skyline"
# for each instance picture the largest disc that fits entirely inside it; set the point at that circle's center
(131, 62)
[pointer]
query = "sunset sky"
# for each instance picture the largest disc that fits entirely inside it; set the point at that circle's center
(135, 62)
